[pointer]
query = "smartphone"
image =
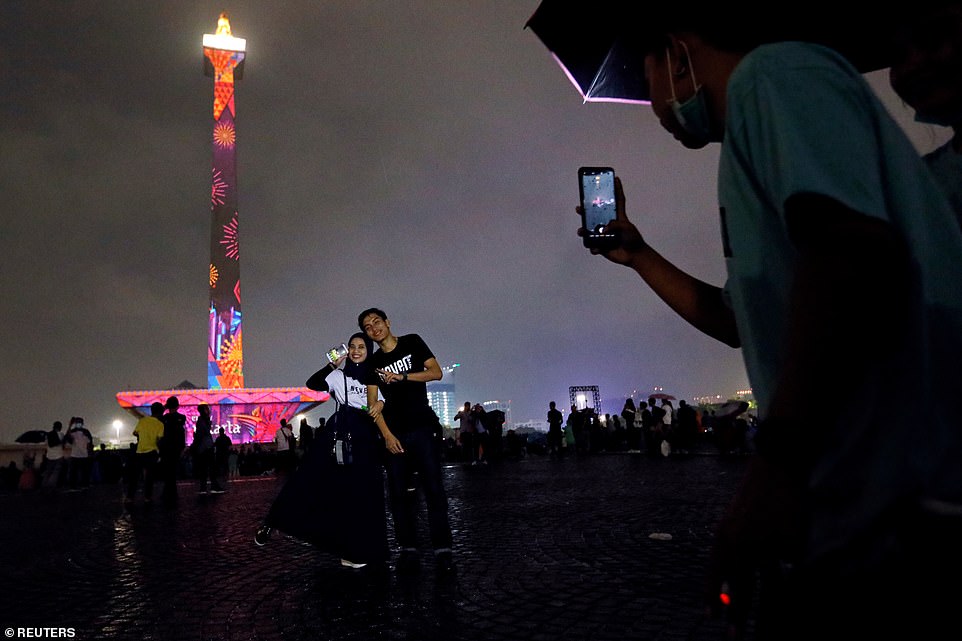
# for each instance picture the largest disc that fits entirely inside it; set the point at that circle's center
(597, 189)
(336, 352)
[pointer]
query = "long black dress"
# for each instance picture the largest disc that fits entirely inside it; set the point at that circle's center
(338, 508)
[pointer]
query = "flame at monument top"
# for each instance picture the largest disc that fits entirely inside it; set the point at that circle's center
(223, 39)
(223, 24)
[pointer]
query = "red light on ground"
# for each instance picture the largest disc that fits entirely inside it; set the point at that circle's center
(725, 595)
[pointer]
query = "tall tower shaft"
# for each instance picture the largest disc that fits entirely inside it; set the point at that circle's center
(246, 415)
(223, 59)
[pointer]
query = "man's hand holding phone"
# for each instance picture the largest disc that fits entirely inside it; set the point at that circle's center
(596, 187)
(620, 240)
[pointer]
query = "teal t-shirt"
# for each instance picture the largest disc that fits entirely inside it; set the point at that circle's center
(946, 166)
(801, 119)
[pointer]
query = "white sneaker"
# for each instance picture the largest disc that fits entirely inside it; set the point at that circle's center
(348, 564)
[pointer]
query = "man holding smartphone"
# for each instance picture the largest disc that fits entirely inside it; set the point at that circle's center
(402, 366)
(843, 263)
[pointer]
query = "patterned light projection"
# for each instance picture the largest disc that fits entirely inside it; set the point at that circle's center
(247, 415)
(224, 60)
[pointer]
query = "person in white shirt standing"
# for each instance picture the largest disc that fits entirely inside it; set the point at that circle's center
(54, 456)
(284, 440)
(81, 442)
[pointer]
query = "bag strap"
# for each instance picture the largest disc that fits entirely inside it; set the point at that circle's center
(338, 405)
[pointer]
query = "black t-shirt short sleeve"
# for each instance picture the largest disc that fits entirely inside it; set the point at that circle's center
(405, 402)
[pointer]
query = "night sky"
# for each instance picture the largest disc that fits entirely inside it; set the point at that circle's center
(418, 156)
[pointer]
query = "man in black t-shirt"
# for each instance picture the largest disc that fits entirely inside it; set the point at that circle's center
(402, 367)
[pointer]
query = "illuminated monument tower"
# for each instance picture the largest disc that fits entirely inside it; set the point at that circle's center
(224, 60)
(248, 415)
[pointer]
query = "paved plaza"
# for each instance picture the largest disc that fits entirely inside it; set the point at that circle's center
(545, 550)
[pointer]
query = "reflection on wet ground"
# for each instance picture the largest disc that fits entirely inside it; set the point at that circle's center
(544, 550)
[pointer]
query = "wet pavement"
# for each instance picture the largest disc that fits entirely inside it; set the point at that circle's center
(545, 550)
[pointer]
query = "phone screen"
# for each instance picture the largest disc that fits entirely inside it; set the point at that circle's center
(598, 201)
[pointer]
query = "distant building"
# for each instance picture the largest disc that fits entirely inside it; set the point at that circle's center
(442, 401)
(534, 425)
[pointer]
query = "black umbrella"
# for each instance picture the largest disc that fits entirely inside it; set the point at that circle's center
(731, 409)
(32, 436)
(583, 38)
(599, 44)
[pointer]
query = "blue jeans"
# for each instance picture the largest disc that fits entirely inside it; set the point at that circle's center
(422, 454)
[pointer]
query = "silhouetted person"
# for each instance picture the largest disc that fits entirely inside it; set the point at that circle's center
(81, 444)
(306, 436)
(202, 453)
(53, 468)
(555, 419)
(285, 449)
(632, 431)
(172, 449)
(223, 451)
(467, 432)
(494, 424)
(927, 75)
(480, 454)
(148, 431)
(686, 428)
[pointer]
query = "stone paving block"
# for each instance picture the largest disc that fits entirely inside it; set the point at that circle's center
(544, 550)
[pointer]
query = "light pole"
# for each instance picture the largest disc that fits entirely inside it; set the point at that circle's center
(117, 425)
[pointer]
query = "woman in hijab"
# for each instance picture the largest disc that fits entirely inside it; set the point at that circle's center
(335, 499)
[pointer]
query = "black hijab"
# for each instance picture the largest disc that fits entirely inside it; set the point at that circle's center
(359, 371)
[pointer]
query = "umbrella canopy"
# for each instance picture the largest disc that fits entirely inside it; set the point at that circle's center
(584, 41)
(661, 396)
(32, 436)
(731, 409)
(600, 44)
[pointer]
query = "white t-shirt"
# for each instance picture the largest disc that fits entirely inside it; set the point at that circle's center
(55, 452)
(356, 391)
(281, 438)
(78, 444)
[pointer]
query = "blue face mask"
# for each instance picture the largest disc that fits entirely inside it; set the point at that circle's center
(692, 114)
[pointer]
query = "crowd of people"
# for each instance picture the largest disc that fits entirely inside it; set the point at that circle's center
(69, 461)
(653, 427)
(479, 436)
